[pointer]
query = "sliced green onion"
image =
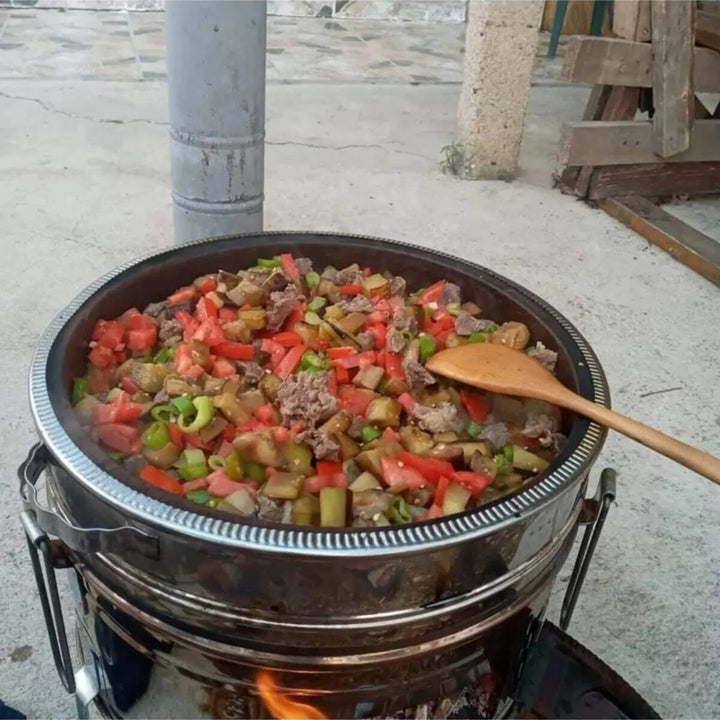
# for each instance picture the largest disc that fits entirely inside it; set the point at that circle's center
(162, 412)
(453, 308)
(400, 512)
(369, 433)
(255, 471)
(317, 304)
(200, 497)
(205, 411)
(427, 347)
(191, 456)
(269, 264)
(312, 318)
(312, 279)
(183, 405)
(313, 362)
(156, 436)
(217, 462)
(477, 338)
(118, 456)
(193, 472)
(508, 452)
(80, 389)
(164, 355)
(473, 429)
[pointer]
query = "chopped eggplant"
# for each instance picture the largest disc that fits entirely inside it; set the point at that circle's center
(254, 319)
(471, 307)
(370, 459)
(213, 429)
(446, 437)
(338, 423)
(482, 464)
(298, 457)
(329, 290)
(333, 507)
(452, 453)
(352, 322)
(396, 386)
(508, 481)
(455, 340)
(251, 399)
(415, 440)
(348, 447)
(247, 293)
(509, 410)
(237, 331)
(259, 447)
(308, 333)
(376, 285)
(164, 457)
(269, 385)
(469, 449)
(369, 377)
(149, 377)
(513, 334)
(306, 510)
(384, 412)
(529, 462)
(85, 407)
(231, 408)
(229, 280)
(174, 386)
(364, 481)
(199, 352)
(283, 486)
(456, 498)
(367, 504)
(241, 501)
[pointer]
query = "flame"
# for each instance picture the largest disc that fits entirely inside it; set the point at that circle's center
(281, 706)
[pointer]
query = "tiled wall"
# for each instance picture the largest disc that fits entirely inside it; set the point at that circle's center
(452, 11)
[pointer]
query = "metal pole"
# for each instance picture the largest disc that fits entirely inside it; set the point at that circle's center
(216, 89)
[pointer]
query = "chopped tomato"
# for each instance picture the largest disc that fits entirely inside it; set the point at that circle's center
(222, 368)
(442, 486)
(381, 358)
(290, 361)
(360, 360)
(119, 437)
(289, 266)
(184, 364)
(251, 425)
(378, 316)
(235, 350)
(112, 334)
(476, 405)
(335, 353)
(184, 294)
(342, 375)
(390, 434)
(120, 410)
(101, 356)
(197, 484)
(433, 293)
(408, 402)
(275, 350)
(205, 309)
(264, 413)
(281, 434)
(210, 332)
(379, 333)
(226, 315)
(228, 434)
(139, 321)
(221, 485)
(430, 468)
(393, 366)
(189, 325)
(355, 400)
(156, 477)
(476, 483)
(296, 315)
(441, 338)
(434, 511)
(99, 379)
(350, 289)
(395, 474)
(325, 467)
(125, 317)
(193, 440)
(332, 386)
(128, 385)
(320, 345)
(440, 326)
(142, 339)
(287, 339)
(207, 285)
(315, 483)
(176, 435)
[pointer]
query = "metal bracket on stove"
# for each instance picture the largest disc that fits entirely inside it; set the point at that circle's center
(593, 514)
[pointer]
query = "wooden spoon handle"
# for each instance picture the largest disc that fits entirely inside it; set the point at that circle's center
(686, 455)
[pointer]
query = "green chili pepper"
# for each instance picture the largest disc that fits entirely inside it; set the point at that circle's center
(234, 466)
(317, 304)
(400, 511)
(205, 411)
(156, 436)
(504, 467)
(118, 456)
(162, 412)
(473, 429)
(477, 338)
(198, 496)
(369, 433)
(312, 318)
(255, 471)
(183, 405)
(312, 279)
(453, 308)
(192, 472)
(217, 462)
(191, 464)
(508, 453)
(313, 362)
(491, 328)
(427, 347)
(164, 355)
(79, 390)
(269, 264)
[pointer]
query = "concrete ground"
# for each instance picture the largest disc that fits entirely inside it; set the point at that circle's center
(84, 167)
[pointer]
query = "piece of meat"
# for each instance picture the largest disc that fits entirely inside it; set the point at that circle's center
(279, 306)
(558, 442)
(444, 417)
(257, 276)
(417, 374)
(466, 324)
(404, 320)
(450, 294)
(250, 372)
(304, 398)
(170, 332)
(276, 281)
(154, 309)
(351, 275)
(541, 426)
(356, 426)
(268, 509)
(366, 341)
(496, 434)
(359, 303)
(172, 310)
(304, 265)
(395, 341)
(547, 358)
(398, 286)
(323, 446)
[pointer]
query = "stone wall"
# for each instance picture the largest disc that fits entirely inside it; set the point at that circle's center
(452, 11)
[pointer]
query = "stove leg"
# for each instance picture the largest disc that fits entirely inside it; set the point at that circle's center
(593, 515)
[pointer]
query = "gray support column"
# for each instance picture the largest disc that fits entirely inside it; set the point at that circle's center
(216, 89)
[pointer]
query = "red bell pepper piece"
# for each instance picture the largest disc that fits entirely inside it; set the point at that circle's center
(433, 293)
(207, 285)
(342, 375)
(441, 338)
(226, 315)
(476, 483)
(378, 316)
(320, 345)
(125, 317)
(286, 366)
(251, 425)
(119, 437)
(296, 315)
(442, 486)
(335, 353)
(101, 356)
(281, 434)
(289, 266)
(476, 405)
(139, 321)
(274, 350)
(120, 410)
(350, 289)
(325, 467)
(176, 435)
(332, 386)
(393, 366)
(430, 468)
(222, 368)
(381, 358)
(193, 440)
(379, 333)
(205, 309)
(408, 402)
(184, 294)
(235, 350)
(393, 474)
(360, 360)
(287, 339)
(157, 478)
(142, 339)
(210, 332)
(189, 325)
(355, 400)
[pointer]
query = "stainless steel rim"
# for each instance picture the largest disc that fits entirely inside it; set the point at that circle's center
(292, 540)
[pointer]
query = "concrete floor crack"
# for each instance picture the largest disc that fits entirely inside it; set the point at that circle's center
(346, 147)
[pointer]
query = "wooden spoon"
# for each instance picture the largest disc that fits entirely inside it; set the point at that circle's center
(500, 369)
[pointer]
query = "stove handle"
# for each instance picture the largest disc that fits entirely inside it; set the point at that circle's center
(84, 540)
(593, 515)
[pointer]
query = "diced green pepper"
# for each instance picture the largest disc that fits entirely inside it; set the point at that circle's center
(234, 466)
(312, 318)
(491, 328)
(400, 511)
(473, 429)
(79, 390)
(369, 433)
(192, 472)
(162, 413)
(317, 304)
(183, 405)
(164, 355)
(453, 308)
(312, 279)
(269, 264)
(156, 436)
(504, 466)
(200, 497)
(427, 346)
(205, 411)
(477, 338)
(508, 453)
(313, 362)
(255, 471)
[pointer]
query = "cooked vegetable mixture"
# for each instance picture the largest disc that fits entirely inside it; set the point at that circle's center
(298, 396)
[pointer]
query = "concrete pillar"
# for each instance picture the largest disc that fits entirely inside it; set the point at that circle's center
(500, 45)
(216, 90)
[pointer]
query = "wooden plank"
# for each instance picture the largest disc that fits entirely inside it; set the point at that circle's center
(658, 180)
(577, 17)
(631, 142)
(631, 20)
(673, 42)
(707, 29)
(612, 61)
(687, 245)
